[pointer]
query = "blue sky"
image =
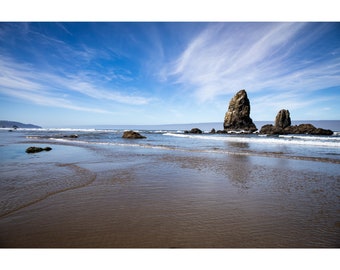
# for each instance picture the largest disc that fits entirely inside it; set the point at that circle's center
(64, 74)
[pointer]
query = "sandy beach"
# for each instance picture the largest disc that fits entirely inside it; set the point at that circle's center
(84, 196)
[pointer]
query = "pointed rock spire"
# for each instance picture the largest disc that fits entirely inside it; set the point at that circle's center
(237, 116)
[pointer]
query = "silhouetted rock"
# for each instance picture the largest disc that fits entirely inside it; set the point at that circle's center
(34, 149)
(132, 135)
(212, 131)
(238, 115)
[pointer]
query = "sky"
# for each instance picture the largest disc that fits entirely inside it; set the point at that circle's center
(134, 73)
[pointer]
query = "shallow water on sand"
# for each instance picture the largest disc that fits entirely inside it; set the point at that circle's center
(111, 196)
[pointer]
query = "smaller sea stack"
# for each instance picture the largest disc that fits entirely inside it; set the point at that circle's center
(283, 126)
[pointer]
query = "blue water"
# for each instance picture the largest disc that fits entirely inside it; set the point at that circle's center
(309, 147)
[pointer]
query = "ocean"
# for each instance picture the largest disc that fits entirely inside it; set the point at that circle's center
(171, 189)
(173, 138)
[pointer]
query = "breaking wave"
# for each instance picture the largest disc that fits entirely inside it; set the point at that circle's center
(331, 141)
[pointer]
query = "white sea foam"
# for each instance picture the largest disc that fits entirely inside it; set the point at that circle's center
(312, 138)
(202, 147)
(63, 129)
(163, 147)
(288, 140)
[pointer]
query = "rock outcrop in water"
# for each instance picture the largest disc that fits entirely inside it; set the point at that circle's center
(34, 149)
(132, 135)
(237, 118)
(194, 131)
(72, 136)
(283, 126)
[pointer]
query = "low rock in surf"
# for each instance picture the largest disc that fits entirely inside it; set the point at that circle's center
(130, 134)
(72, 136)
(194, 131)
(34, 149)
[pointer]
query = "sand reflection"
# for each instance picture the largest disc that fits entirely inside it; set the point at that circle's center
(239, 170)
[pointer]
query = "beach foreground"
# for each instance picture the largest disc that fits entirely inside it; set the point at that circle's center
(100, 196)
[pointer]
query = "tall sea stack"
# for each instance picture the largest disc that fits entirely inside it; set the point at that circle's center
(237, 117)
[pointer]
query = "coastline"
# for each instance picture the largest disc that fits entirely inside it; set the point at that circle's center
(140, 197)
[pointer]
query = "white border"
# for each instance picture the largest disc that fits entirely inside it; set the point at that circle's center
(169, 10)
(170, 259)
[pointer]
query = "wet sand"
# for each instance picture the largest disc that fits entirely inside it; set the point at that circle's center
(130, 197)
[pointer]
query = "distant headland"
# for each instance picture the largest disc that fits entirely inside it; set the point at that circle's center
(13, 124)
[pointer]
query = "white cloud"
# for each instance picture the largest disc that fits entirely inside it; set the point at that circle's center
(45, 88)
(86, 87)
(46, 100)
(225, 58)
(16, 76)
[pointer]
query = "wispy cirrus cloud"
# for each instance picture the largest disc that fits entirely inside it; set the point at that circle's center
(258, 57)
(46, 88)
(52, 101)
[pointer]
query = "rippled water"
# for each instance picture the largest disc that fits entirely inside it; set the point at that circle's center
(170, 190)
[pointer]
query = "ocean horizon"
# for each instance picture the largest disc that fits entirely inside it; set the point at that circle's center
(205, 126)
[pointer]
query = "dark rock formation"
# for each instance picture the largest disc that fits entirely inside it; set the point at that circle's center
(34, 149)
(72, 136)
(194, 131)
(212, 131)
(132, 135)
(282, 119)
(271, 130)
(307, 129)
(238, 115)
(283, 126)
(321, 131)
